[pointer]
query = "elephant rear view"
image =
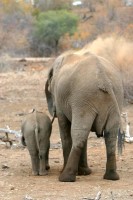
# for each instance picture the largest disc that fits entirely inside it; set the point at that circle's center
(36, 130)
(86, 93)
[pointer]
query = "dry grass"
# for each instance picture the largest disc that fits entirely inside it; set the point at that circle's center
(119, 51)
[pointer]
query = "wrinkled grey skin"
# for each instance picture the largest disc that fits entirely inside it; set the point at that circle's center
(36, 130)
(86, 93)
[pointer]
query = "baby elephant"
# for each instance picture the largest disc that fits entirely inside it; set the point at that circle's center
(36, 130)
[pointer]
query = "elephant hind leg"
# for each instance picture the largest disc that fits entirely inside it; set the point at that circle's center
(65, 134)
(83, 168)
(110, 142)
(71, 168)
(43, 168)
(35, 162)
(47, 157)
(79, 132)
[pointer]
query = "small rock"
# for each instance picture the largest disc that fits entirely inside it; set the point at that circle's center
(5, 166)
(12, 188)
(27, 197)
(56, 161)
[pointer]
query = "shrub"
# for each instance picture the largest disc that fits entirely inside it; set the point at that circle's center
(49, 27)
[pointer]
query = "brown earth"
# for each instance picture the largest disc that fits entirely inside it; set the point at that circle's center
(22, 90)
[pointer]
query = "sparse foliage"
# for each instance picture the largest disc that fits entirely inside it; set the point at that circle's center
(15, 20)
(45, 5)
(49, 28)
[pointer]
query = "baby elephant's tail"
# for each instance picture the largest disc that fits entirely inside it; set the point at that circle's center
(36, 132)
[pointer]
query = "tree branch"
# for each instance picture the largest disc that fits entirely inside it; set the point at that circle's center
(3, 130)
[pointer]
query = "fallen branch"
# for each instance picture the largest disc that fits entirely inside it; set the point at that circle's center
(23, 113)
(112, 195)
(6, 138)
(98, 196)
(45, 59)
(127, 136)
(4, 130)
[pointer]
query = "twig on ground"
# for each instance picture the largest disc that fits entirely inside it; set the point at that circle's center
(98, 196)
(112, 195)
(23, 113)
(4, 130)
(6, 138)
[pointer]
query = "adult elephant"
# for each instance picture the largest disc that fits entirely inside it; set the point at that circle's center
(85, 92)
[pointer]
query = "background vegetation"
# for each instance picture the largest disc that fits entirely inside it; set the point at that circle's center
(51, 26)
(48, 27)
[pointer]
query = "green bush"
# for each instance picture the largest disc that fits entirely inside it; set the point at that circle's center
(49, 27)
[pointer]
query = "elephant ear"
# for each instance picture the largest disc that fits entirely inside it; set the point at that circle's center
(54, 69)
(49, 98)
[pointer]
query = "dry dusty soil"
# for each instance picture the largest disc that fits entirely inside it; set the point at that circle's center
(22, 90)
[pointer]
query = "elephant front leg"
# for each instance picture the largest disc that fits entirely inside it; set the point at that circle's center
(110, 142)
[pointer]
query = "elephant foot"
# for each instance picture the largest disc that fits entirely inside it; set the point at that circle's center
(35, 173)
(84, 171)
(44, 173)
(67, 177)
(111, 175)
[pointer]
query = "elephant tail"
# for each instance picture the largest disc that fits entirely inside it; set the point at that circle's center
(54, 116)
(37, 131)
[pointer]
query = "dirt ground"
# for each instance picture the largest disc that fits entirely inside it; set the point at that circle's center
(22, 90)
